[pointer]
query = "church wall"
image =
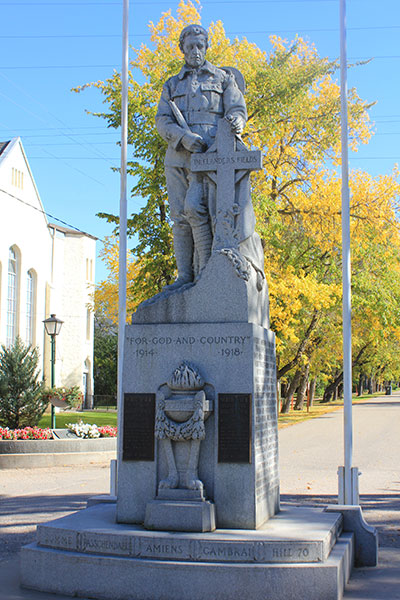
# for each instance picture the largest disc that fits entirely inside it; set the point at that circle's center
(74, 262)
(62, 265)
(24, 228)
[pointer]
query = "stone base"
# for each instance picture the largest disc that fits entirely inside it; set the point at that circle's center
(233, 299)
(300, 553)
(238, 458)
(365, 536)
(173, 515)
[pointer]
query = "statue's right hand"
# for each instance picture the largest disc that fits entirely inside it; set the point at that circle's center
(193, 142)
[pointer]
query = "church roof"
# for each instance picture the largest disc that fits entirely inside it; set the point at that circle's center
(3, 146)
(71, 232)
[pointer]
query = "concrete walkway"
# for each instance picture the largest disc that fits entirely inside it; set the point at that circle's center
(309, 455)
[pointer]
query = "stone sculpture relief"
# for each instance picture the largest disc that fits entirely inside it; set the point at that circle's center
(181, 409)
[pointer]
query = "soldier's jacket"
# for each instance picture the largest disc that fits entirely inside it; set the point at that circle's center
(203, 96)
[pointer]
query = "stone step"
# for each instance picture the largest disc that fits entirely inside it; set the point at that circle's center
(108, 577)
(295, 535)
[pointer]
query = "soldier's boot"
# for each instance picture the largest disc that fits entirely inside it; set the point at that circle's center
(202, 242)
(183, 248)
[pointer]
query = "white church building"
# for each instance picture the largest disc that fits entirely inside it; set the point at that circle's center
(44, 269)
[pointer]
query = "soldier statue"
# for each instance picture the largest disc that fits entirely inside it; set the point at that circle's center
(191, 104)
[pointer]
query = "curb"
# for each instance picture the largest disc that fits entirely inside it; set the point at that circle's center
(26, 461)
(50, 453)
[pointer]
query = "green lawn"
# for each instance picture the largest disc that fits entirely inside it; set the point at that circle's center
(93, 417)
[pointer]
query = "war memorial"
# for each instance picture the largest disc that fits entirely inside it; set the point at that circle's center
(197, 512)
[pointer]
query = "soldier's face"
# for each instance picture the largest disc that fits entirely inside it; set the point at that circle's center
(194, 49)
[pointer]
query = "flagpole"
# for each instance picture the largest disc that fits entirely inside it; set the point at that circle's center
(346, 268)
(122, 285)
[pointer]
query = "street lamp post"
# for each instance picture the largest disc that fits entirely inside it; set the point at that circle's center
(52, 326)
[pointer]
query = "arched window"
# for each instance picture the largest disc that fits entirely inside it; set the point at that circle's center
(30, 306)
(88, 323)
(12, 297)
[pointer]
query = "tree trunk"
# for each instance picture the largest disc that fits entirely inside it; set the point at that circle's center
(313, 384)
(331, 389)
(289, 395)
(278, 395)
(302, 389)
(300, 349)
(360, 384)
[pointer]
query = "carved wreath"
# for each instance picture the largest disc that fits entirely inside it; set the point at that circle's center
(192, 429)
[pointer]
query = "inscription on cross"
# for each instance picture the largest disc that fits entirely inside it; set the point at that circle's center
(226, 162)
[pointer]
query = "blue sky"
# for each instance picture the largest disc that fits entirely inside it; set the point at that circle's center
(48, 47)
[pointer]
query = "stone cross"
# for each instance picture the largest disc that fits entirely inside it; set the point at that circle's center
(225, 162)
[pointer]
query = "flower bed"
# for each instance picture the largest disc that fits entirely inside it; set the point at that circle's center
(84, 430)
(27, 433)
(35, 447)
(108, 431)
(81, 430)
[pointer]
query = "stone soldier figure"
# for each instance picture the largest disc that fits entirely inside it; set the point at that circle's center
(190, 107)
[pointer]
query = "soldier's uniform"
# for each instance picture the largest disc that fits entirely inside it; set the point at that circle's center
(203, 96)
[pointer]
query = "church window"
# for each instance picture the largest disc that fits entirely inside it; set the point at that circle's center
(12, 292)
(17, 178)
(88, 323)
(30, 306)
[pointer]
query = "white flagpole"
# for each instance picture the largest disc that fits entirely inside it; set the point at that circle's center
(122, 286)
(346, 268)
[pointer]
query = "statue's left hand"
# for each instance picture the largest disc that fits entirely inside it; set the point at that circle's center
(237, 124)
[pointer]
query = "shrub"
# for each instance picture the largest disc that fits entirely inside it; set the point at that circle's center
(21, 400)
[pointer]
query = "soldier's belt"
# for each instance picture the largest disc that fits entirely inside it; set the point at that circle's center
(197, 117)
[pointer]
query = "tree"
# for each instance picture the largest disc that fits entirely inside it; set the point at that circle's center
(106, 292)
(21, 400)
(105, 357)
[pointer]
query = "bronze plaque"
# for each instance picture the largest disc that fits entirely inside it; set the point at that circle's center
(234, 428)
(138, 434)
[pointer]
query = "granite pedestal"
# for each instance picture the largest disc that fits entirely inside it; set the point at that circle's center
(299, 553)
(238, 457)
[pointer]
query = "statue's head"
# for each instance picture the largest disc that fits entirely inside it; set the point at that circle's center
(193, 42)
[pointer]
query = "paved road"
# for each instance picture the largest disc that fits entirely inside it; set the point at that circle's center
(310, 453)
(309, 456)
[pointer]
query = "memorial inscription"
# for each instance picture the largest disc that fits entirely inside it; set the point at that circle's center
(234, 428)
(59, 538)
(265, 438)
(104, 544)
(227, 346)
(138, 431)
(159, 548)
